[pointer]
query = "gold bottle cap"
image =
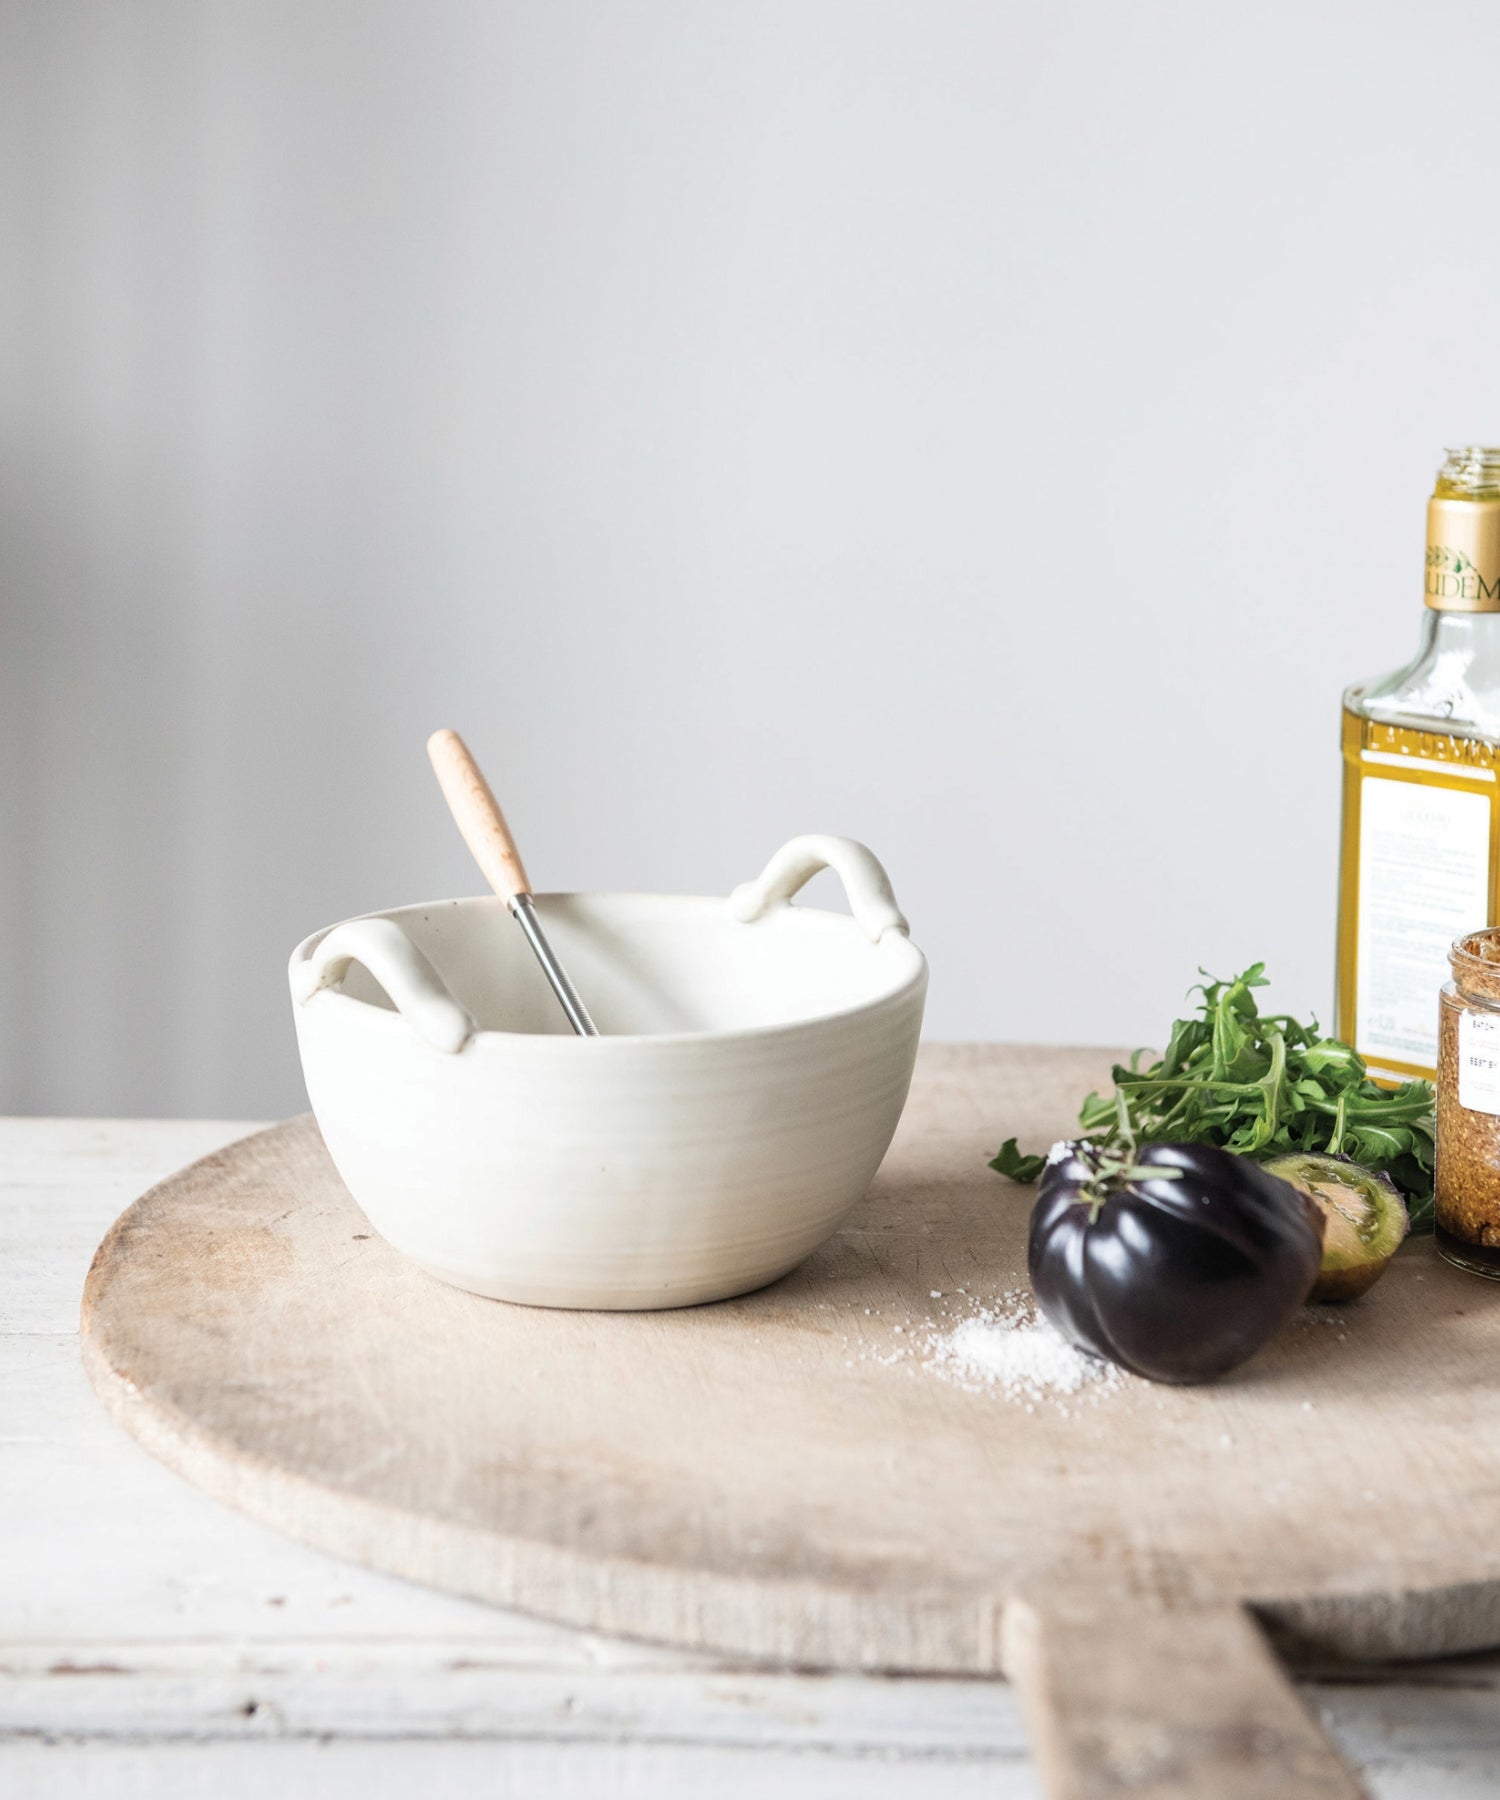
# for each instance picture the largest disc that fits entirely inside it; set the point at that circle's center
(1463, 533)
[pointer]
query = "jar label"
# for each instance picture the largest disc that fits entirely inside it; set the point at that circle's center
(1424, 877)
(1479, 1062)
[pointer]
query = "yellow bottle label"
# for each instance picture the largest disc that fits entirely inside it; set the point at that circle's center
(1417, 869)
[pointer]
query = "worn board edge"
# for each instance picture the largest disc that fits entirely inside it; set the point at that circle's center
(794, 1624)
(798, 1624)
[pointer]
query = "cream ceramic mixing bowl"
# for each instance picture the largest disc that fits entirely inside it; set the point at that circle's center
(753, 1063)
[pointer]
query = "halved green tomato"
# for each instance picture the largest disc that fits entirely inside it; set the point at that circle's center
(1366, 1219)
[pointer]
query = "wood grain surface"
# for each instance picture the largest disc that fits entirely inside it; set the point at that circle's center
(773, 1475)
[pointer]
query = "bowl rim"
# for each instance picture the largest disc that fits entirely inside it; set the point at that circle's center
(388, 1018)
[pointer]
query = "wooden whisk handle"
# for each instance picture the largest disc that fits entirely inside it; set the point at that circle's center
(477, 815)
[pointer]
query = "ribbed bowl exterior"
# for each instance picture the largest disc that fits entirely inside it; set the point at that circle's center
(617, 1173)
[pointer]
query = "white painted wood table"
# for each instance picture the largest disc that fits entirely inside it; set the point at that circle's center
(154, 1643)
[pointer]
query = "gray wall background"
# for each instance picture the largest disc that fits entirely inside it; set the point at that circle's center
(995, 431)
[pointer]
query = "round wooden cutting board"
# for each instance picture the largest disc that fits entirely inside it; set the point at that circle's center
(796, 1476)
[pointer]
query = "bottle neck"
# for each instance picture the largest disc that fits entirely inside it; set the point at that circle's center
(1455, 679)
(1459, 634)
(1451, 685)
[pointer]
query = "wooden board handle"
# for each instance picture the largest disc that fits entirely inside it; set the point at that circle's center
(477, 814)
(1164, 1705)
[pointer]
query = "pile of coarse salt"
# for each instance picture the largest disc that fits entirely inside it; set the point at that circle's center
(1009, 1347)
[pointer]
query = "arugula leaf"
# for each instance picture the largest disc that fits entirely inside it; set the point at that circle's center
(1019, 1168)
(1264, 1086)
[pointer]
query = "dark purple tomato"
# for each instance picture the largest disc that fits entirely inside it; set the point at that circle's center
(1176, 1261)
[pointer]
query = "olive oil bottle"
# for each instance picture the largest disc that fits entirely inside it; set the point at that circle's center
(1421, 835)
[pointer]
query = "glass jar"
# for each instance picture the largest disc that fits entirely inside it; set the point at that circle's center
(1466, 1198)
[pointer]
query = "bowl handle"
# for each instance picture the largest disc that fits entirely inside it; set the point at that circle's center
(415, 988)
(865, 882)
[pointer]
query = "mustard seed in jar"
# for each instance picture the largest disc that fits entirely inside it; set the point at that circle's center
(1466, 1198)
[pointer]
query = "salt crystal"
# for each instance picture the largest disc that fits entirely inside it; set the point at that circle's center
(1010, 1348)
